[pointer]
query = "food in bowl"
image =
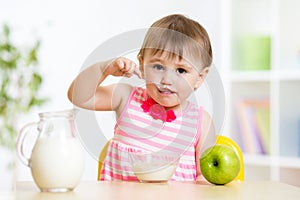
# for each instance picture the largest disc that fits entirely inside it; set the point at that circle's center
(154, 167)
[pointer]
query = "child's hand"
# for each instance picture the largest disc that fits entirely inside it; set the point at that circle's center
(123, 67)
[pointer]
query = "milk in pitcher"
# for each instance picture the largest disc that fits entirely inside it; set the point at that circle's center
(56, 163)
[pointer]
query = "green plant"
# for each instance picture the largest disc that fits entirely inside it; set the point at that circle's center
(20, 83)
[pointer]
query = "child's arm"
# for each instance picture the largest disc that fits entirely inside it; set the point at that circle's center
(206, 140)
(86, 90)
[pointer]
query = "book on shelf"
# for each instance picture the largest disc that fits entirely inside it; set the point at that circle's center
(253, 122)
(299, 137)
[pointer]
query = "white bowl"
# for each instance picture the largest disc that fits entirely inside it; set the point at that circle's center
(154, 167)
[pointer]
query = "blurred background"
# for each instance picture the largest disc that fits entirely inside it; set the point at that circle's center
(256, 47)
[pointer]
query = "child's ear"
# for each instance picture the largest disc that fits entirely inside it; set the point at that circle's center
(141, 65)
(202, 76)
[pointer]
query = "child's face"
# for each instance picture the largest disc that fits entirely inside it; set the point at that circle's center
(169, 80)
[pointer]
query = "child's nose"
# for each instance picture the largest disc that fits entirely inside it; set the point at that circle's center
(166, 78)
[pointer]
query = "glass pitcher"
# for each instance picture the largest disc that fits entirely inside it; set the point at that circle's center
(56, 160)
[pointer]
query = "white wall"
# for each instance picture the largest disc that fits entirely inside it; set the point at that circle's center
(70, 30)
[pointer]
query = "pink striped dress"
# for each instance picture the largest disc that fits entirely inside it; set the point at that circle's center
(137, 131)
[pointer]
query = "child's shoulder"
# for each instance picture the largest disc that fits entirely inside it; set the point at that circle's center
(206, 117)
(139, 92)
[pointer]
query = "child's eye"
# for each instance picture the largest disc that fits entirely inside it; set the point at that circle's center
(181, 71)
(158, 67)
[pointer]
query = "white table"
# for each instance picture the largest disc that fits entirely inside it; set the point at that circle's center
(172, 190)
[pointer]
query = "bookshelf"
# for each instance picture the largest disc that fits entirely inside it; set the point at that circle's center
(277, 82)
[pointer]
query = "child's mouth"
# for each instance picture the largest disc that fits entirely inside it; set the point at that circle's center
(164, 90)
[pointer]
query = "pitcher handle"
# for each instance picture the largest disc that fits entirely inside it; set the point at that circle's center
(20, 142)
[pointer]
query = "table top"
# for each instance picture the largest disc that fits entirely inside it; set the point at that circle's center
(102, 190)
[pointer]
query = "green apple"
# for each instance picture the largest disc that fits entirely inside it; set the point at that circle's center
(219, 164)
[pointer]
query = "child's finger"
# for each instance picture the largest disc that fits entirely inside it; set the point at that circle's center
(126, 65)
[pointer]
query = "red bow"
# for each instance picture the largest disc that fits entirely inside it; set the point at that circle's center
(157, 111)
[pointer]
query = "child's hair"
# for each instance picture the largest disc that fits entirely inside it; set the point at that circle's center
(181, 37)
